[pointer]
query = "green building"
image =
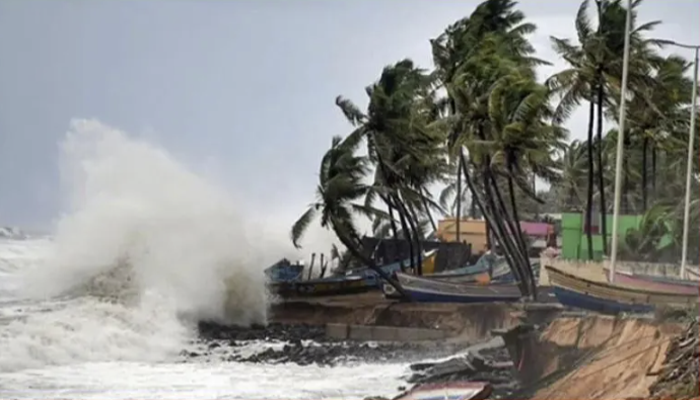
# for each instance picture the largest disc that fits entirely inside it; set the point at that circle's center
(573, 237)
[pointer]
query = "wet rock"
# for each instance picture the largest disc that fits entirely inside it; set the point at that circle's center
(274, 331)
(487, 364)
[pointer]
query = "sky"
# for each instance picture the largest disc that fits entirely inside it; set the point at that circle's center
(241, 90)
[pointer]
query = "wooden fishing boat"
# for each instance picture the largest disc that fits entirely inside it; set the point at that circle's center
(449, 391)
(428, 280)
(656, 283)
(331, 286)
(436, 291)
(501, 273)
(372, 278)
(605, 297)
(284, 271)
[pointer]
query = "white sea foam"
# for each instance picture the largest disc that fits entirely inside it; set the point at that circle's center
(144, 249)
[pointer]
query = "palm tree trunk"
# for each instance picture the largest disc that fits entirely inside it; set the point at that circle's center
(417, 237)
(521, 262)
(519, 233)
(504, 224)
(311, 265)
(513, 222)
(392, 220)
(601, 175)
(500, 219)
(423, 192)
(589, 200)
(405, 231)
(348, 243)
(625, 177)
(653, 170)
(458, 217)
(402, 212)
(645, 185)
(491, 222)
(324, 264)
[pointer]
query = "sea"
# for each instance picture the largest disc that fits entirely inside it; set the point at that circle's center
(106, 304)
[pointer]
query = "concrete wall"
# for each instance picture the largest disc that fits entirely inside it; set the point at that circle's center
(382, 333)
(471, 231)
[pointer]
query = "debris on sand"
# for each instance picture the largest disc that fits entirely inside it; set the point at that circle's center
(679, 377)
(485, 362)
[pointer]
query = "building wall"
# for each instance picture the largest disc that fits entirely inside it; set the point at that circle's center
(471, 231)
(575, 242)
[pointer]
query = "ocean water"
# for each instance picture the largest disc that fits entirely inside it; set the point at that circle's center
(105, 306)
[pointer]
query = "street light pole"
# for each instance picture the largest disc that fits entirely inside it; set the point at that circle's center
(689, 171)
(620, 143)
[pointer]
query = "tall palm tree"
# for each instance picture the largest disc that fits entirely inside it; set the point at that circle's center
(340, 187)
(470, 57)
(657, 110)
(573, 162)
(403, 145)
(595, 69)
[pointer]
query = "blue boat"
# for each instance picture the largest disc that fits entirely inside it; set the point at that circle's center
(426, 290)
(604, 297)
(372, 278)
(572, 298)
(284, 271)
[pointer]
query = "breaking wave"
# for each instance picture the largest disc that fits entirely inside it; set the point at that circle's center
(145, 249)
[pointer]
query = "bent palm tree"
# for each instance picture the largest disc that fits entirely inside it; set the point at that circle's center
(340, 185)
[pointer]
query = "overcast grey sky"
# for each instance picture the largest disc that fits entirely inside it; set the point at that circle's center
(242, 88)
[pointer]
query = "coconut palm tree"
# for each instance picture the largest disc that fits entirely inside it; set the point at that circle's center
(657, 110)
(573, 162)
(595, 70)
(461, 40)
(403, 145)
(340, 187)
(470, 57)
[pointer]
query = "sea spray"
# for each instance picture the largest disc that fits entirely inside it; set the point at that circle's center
(145, 249)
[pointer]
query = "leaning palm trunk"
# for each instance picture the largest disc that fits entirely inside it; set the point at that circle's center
(392, 220)
(589, 199)
(491, 221)
(519, 233)
(405, 231)
(412, 237)
(458, 217)
(601, 172)
(645, 178)
(418, 237)
(424, 199)
(353, 249)
(508, 229)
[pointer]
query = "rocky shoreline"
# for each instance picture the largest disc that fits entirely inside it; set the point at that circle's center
(304, 344)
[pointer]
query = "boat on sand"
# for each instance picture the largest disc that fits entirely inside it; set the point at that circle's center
(575, 291)
(436, 291)
(449, 391)
(656, 283)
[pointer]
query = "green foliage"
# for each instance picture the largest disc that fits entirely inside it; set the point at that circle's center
(481, 124)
